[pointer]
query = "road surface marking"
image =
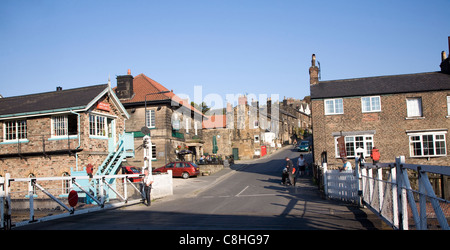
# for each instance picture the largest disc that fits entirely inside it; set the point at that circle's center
(241, 191)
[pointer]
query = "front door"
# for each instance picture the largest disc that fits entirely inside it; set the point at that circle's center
(112, 141)
(236, 153)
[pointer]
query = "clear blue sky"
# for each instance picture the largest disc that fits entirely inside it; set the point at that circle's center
(227, 47)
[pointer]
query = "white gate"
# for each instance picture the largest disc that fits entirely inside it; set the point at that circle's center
(19, 197)
(386, 190)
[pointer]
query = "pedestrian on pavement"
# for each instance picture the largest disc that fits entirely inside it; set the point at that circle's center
(347, 165)
(148, 181)
(375, 155)
(301, 163)
(290, 171)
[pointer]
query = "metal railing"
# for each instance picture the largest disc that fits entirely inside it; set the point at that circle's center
(390, 194)
(387, 190)
(16, 212)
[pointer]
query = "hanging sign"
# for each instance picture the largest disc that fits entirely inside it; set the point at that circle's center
(103, 106)
(341, 146)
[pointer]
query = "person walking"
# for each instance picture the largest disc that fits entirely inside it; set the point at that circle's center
(148, 181)
(301, 163)
(290, 171)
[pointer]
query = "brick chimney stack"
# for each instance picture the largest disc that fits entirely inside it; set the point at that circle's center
(124, 88)
(445, 60)
(313, 71)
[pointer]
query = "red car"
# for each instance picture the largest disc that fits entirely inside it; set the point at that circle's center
(184, 169)
(132, 170)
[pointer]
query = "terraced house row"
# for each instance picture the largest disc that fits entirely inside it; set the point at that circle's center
(405, 115)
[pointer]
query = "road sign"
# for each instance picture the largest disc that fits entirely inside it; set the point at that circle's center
(73, 198)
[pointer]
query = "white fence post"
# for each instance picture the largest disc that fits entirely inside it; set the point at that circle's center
(394, 184)
(403, 204)
(325, 179)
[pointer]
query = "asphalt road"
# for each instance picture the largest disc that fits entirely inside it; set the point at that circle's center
(251, 198)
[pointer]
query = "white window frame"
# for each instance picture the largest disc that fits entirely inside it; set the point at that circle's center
(336, 109)
(413, 110)
(59, 126)
(19, 129)
(371, 107)
(97, 124)
(438, 136)
(150, 121)
(367, 140)
(448, 106)
(256, 138)
(65, 185)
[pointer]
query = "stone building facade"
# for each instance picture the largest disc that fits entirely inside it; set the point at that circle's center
(173, 123)
(405, 115)
(249, 130)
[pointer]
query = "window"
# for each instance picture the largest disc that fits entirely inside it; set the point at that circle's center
(448, 105)
(15, 130)
(256, 124)
(356, 145)
(334, 106)
(414, 107)
(427, 144)
(64, 125)
(150, 119)
(65, 184)
(371, 104)
(256, 137)
(97, 125)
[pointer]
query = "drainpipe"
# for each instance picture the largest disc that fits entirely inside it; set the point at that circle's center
(79, 138)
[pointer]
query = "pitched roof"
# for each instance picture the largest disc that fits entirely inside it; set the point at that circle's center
(143, 85)
(48, 102)
(393, 84)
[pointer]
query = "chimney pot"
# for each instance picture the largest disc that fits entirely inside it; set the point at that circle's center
(59, 88)
(129, 72)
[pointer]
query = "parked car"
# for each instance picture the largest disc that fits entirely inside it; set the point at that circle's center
(303, 146)
(183, 169)
(132, 170)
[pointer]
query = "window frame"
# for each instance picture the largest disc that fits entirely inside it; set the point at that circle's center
(335, 111)
(409, 112)
(96, 125)
(371, 107)
(420, 139)
(150, 118)
(20, 131)
(351, 139)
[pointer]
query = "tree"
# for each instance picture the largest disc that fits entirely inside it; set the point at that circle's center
(202, 107)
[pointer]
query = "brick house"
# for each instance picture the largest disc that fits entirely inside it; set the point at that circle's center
(405, 115)
(59, 133)
(173, 123)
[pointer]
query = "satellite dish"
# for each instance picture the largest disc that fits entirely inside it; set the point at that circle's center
(145, 130)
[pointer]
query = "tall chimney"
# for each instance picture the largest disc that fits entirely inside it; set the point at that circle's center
(313, 71)
(124, 88)
(445, 60)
